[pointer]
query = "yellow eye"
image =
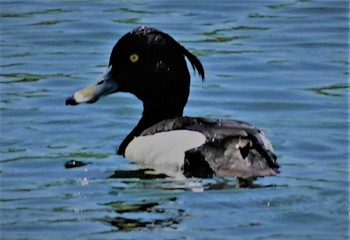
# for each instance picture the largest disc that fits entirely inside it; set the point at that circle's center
(134, 58)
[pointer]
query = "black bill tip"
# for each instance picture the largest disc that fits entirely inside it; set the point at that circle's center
(71, 101)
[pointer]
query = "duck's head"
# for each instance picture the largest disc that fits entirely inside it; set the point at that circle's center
(149, 64)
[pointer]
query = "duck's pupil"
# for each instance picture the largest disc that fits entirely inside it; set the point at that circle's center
(134, 58)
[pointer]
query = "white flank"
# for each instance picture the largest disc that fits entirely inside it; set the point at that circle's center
(164, 151)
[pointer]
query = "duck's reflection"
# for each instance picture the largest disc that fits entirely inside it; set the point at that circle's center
(149, 215)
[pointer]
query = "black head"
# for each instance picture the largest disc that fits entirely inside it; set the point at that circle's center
(151, 65)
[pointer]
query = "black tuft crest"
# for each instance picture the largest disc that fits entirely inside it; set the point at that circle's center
(196, 64)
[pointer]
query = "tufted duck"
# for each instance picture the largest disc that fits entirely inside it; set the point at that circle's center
(151, 65)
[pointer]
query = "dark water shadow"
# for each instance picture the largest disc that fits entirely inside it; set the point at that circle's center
(146, 173)
(162, 181)
(123, 221)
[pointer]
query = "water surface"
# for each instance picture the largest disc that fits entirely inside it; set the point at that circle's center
(282, 66)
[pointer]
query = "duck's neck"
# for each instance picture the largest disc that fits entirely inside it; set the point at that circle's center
(151, 115)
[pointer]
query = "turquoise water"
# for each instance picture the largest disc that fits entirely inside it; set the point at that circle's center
(280, 65)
